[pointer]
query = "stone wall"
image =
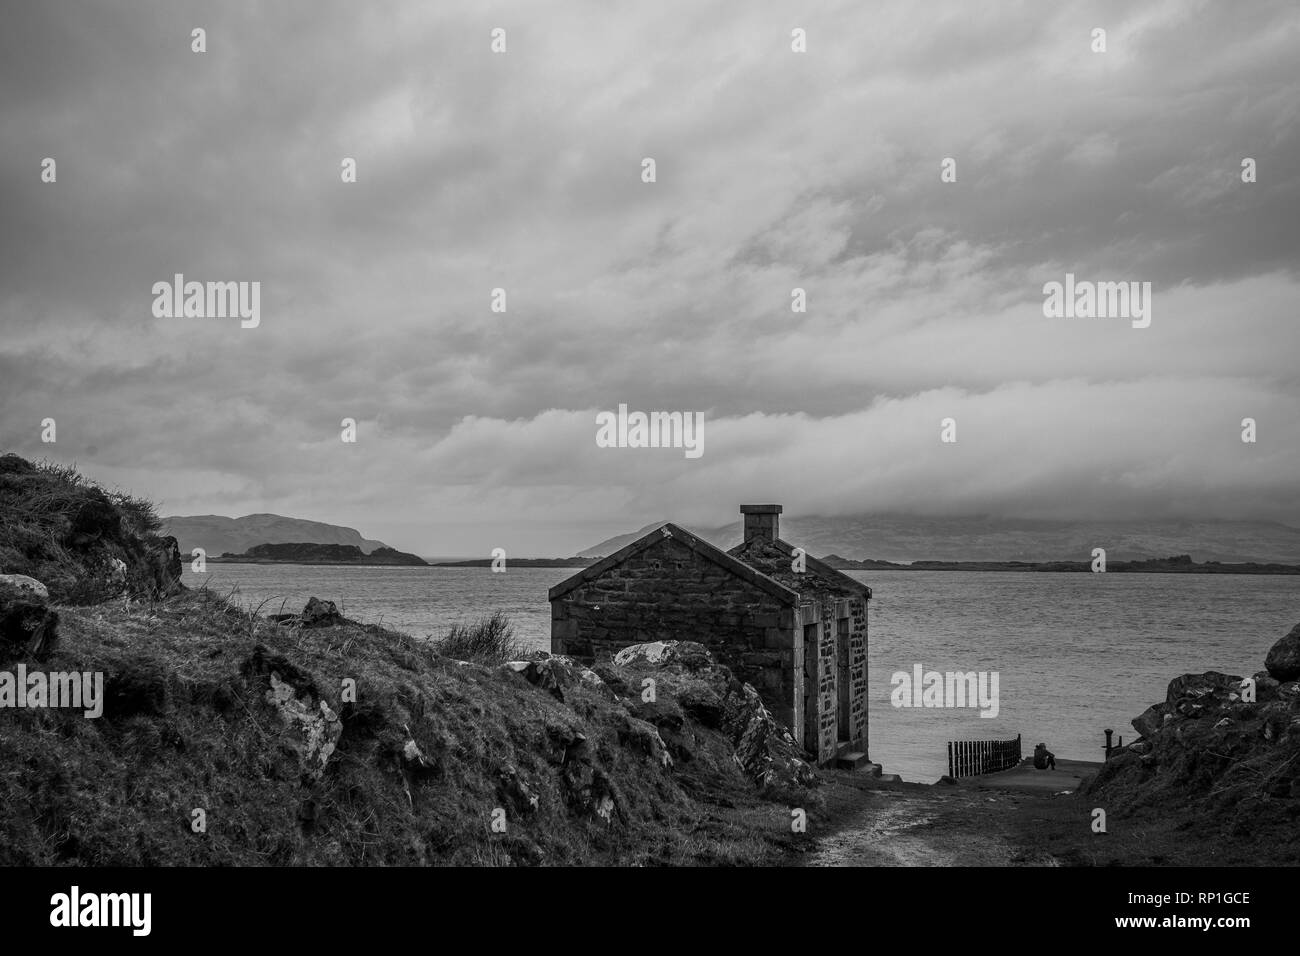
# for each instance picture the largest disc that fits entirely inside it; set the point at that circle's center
(827, 696)
(858, 673)
(668, 591)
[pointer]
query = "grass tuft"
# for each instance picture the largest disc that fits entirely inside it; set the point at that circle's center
(489, 640)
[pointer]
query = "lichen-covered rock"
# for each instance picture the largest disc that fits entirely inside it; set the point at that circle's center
(765, 749)
(116, 579)
(1283, 659)
(689, 654)
(314, 728)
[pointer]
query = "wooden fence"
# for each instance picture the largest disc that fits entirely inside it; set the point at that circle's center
(967, 758)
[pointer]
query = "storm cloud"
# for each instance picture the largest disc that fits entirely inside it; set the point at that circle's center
(775, 170)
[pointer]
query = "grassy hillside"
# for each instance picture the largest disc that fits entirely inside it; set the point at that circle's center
(83, 542)
(228, 738)
(411, 773)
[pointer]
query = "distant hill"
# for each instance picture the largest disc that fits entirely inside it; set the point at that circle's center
(300, 552)
(910, 538)
(217, 534)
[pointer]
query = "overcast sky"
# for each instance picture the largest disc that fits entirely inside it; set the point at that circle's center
(775, 170)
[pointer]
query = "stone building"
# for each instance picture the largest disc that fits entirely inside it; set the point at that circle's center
(790, 625)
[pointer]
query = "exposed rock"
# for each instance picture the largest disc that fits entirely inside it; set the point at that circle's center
(555, 673)
(643, 737)
(318, 613)
(666, 713)
(28, 627)
(689, 654)
(20, 585)
(1195, 688)
(1283, 660)
(314, 728)
(162, 562)
(1150, 720)
(116, 578)
(765, 749)
(709, 693)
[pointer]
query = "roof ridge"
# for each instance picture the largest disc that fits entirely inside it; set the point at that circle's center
(713, 553)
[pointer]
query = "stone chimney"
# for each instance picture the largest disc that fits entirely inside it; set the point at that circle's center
(761, 522)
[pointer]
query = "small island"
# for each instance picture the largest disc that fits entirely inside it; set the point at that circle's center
(307, 553)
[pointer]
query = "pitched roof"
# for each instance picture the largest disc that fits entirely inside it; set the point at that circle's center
(822, 569)
(696, 544)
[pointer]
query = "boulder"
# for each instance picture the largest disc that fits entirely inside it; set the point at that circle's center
(318, 613)
(1197, 687)
(20, 585)
(28, 628)
(765, 749)
(1202, 695)
(689, 654)
(1283, 660)
(116, 577)
(1150, 720)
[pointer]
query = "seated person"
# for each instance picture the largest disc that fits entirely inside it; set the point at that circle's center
(1044, 759)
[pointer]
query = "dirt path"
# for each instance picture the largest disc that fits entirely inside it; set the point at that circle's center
(913, 825)
(899, 828)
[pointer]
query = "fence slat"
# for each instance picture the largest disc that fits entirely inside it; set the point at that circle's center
(970, 758)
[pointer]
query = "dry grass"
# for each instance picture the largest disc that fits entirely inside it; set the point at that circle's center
(489, 640)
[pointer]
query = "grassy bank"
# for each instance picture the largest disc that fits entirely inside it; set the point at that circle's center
(429, 751)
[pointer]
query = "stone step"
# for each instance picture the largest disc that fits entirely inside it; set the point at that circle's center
(851, 760)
